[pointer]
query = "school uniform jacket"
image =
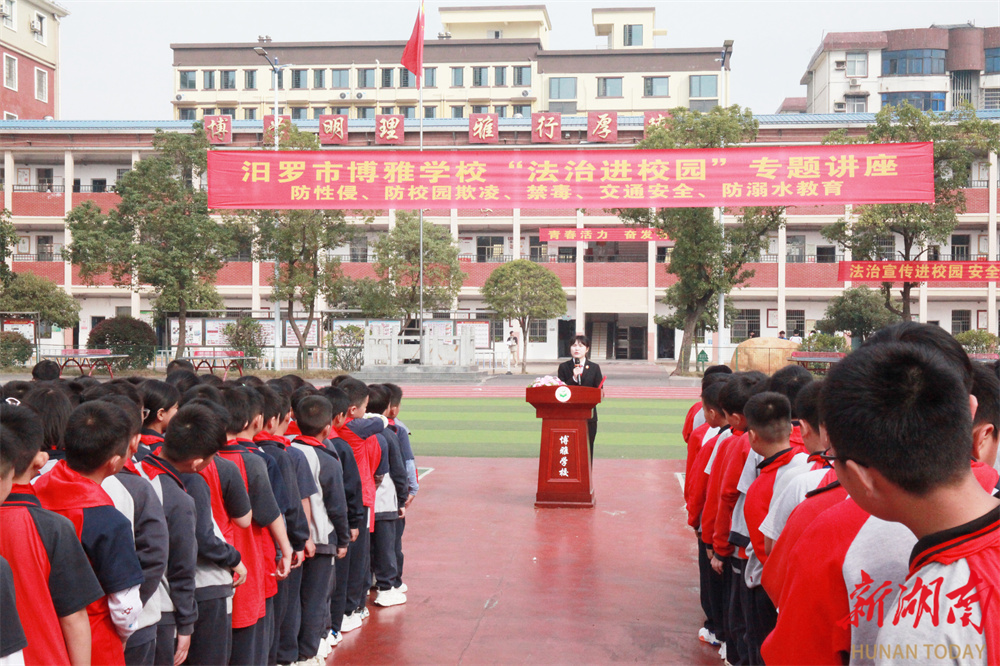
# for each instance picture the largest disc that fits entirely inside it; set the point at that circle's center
(729, 495)
(697, 486)
(794, 494)
(391, 493)
(352, 482)
(329, 529)
(53, 578)
(360, 435)
(689, 423)
(283, 499)
(298, 484)
(774, 472)
(403, 435)
(695, 440)
(12, 640)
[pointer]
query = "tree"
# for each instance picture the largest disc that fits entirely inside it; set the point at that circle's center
(160, 236)
(27, 292)
(301, 242)
(396, 293)
(859, 310)
(8, 243)
(706, 261)
(524, 291)
(960, 138)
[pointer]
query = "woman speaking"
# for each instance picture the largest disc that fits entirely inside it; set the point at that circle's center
(580, 371)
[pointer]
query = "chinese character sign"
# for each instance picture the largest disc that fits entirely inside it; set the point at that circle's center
(219, 129)
(602, 126)
(483, 128)
(284, 123)
(389, 129)
(919, 271)
(616, 234)
(333, 130)
(653, 118)
(546, 128)
(564, 464)
(627, 178)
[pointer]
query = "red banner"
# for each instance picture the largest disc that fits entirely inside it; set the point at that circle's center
(919, 271)
(602, 126)
(564, 178)
(619, 234)
(218, 129)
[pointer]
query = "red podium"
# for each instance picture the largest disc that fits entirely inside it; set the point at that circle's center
(564, 478)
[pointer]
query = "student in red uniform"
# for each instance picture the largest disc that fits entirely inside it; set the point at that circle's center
(899, 422)
(97, 447)
(160, 402)
(695, 416)
(52, 578)
(986, 424)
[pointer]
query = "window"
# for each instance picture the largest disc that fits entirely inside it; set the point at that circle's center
(430, 77)
(300, 78)
(41, 85)
(961, 321)
(387, 78)
(826, 254)
(795, 249)
(406, 78)
(960, 247)
(430, 112)
(925, 101)
(340, 78)
(499, 76)
(496, 330)
(359, 249)
(208, 80)
(521, 110)
(704, 85)
(189, 80)
(567, 108)
(920, 62)
(609, 87)
(562, 87)
(340, 110)
(934, 253)
(656, 86)
(746, 325)
(538, 330)
(123, 311)
(208, 111)
(7, 115)
(387, 110)
(187, 114)
(633, 35)
(857, 64)
(457, 76)
(366, 112)
(480, 76)
(120, 173)
(480, 108)
(281, 79)
(522, 75)
(39, 27)
(10, 16)
(856, 104)
(991, 98)
(299, 112)
(319, 78)
(227, 79)
(703, 105)
(228, 111)
(457, 111)
(98, 184)
(992, 60)
(250, 114)
(250, 79)
(886, 248)
(538, 250)
(795, 322)
(567, 255)
(501, 111)
(408, 111)
(366, 78)
(318, 111)
(489, 248)
(10, 72)
(494, 34)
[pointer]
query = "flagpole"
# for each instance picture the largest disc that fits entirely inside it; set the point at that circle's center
(420, 113)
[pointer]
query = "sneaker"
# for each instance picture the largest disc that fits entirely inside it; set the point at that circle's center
(706, 636)
(323, 651)
(402, 588)
(333, 638)
(722, 652)
(391, 597)
(350, 623)
(364, 613)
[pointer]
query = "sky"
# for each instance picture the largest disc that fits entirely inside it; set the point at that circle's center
(116, 57)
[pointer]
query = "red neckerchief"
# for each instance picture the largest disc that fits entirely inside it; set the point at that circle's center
(130, 467)
(293, 428)
(152, 466)
(63, 489)
(151, 438)
(311, 441)
(263, 436)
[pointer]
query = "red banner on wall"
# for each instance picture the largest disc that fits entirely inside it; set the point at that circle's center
(919, 271)
(618, 234)
(589, 178)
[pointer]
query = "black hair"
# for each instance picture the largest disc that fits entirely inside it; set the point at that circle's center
(203, 391)
(396, 394)
(255, 398)
(276, 405)
(179, 364)
(131, 409)
(250, 380)
(294, 381)
(986, 388)
(46, 371)
(807, 404)
(378, 398)
(96, 432)
(211, 379)
(20, 438)
(338, 400)
(339, 379)
(314, 414)
(356, 391)
(769, 414)
(83, 382)
(237, 403)
(739, 389)
(788, 381)
(280, 385)
(157, 395)
(216, 408)
(710, 396)
(53, 407)
(582, 339)
(196, 431)
(902, 409)
(715, 378)
(717, 369)
(136, 381)
(302, 392)
(928, 335)
(16, 389)
(183, 379)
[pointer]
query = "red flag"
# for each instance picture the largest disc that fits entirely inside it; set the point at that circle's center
(413, 54)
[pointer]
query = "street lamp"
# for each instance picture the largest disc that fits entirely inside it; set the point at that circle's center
(727, 53)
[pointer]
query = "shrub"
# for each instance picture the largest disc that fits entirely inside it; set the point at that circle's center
(15, 349)
(247, 336)
(822, 342)
(347, 348)
(125, 335)
(979, 342)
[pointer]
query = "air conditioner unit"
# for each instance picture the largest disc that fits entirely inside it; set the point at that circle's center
(359, 95)
(854, 83)
(343, 95)
(840, 64)
(839, 107)
(179, 97)
(525, 93)
(36, 26)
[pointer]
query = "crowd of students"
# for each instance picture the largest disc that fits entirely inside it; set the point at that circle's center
(197, 521)
(852, 519)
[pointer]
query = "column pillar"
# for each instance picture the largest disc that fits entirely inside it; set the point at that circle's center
(922, 303)
(68, 168)
(650, 300)
(849, 217)
(991, 231)
(782, 264)
(581, 324)
(515, 244)
(392, 219)
(453, 223)
(8, 190)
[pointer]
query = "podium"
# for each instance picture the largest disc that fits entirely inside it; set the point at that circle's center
(564, 467)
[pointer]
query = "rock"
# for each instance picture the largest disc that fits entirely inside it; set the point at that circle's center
(764, 354)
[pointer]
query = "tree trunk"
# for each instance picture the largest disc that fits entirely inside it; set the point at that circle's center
(182, 325)
(907, 287)
(302, 362)
(524, 344)
(684, 358)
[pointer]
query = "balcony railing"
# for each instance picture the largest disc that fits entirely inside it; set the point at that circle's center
(40, 187)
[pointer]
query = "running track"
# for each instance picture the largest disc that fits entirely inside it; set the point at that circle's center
(466, 391)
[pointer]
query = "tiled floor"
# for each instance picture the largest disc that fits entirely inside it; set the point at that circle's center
(494, 581)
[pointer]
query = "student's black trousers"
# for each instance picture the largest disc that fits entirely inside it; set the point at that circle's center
(317, 585)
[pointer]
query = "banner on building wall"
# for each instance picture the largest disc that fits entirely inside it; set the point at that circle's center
(588, 178)
(619, 234)
(919, 271)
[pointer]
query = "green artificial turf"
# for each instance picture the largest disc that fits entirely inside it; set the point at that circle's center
(508, 428)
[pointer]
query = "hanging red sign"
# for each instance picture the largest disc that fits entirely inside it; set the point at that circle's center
(619, 234)
(919, 271)
(602, 126)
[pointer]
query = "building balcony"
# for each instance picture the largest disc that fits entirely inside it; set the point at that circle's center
(38, 203)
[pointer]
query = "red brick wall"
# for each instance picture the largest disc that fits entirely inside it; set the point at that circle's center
(477, 273)
(977, 200)
(100, 280)
(22, 102)
(38, 204)
(235, 273)
(105, 200)
(765, 275)
(625, 274)
(50, 270)
(663, 278)
(355, 271)
(827, 209)
(811, 275)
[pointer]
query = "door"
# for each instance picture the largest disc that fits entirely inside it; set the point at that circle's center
(45, 248)
(665, 336)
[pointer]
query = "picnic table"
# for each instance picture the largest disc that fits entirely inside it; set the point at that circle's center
(85, 359)
(219, 360)
(818, 362)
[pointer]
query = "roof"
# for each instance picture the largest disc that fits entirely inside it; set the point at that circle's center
(839, 41)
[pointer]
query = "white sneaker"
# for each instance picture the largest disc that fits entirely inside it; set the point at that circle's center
(364, 613)
(350, 623)
(402, 588)
(706, 636)
(333, 638)
(391, 597)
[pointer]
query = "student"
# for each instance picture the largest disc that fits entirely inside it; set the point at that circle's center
(160, 403)
(413, 485)
(986, 424)
(96, 448)
(46, 371)
(899, 422)
(328, 528)
(696, 435)
(53, 580)
(179, 364)
(390, 506)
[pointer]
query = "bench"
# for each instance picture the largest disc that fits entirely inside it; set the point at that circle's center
(817, 362)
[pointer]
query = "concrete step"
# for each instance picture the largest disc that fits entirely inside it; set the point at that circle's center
(404, 374)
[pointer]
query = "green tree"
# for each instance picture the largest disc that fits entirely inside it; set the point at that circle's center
(706, 261)
(27, 292)
(524, 291)
(160, 236)
(859, 310)
(960, 138)
(246, 335)
(396, 292)
(8, 243)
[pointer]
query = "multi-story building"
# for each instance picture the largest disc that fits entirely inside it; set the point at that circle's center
(487, 60)
(29, 47)
(934, 69)
(614, 289)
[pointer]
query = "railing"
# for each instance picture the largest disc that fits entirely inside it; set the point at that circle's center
(615, 258)
(39, 256)
(975, 184)
(40, 187)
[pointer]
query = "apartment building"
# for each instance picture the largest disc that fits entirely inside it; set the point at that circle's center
(486, 60)
(934, 69)
(29, 47)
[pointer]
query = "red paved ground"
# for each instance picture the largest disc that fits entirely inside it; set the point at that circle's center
(494, 581)
(466, 391)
